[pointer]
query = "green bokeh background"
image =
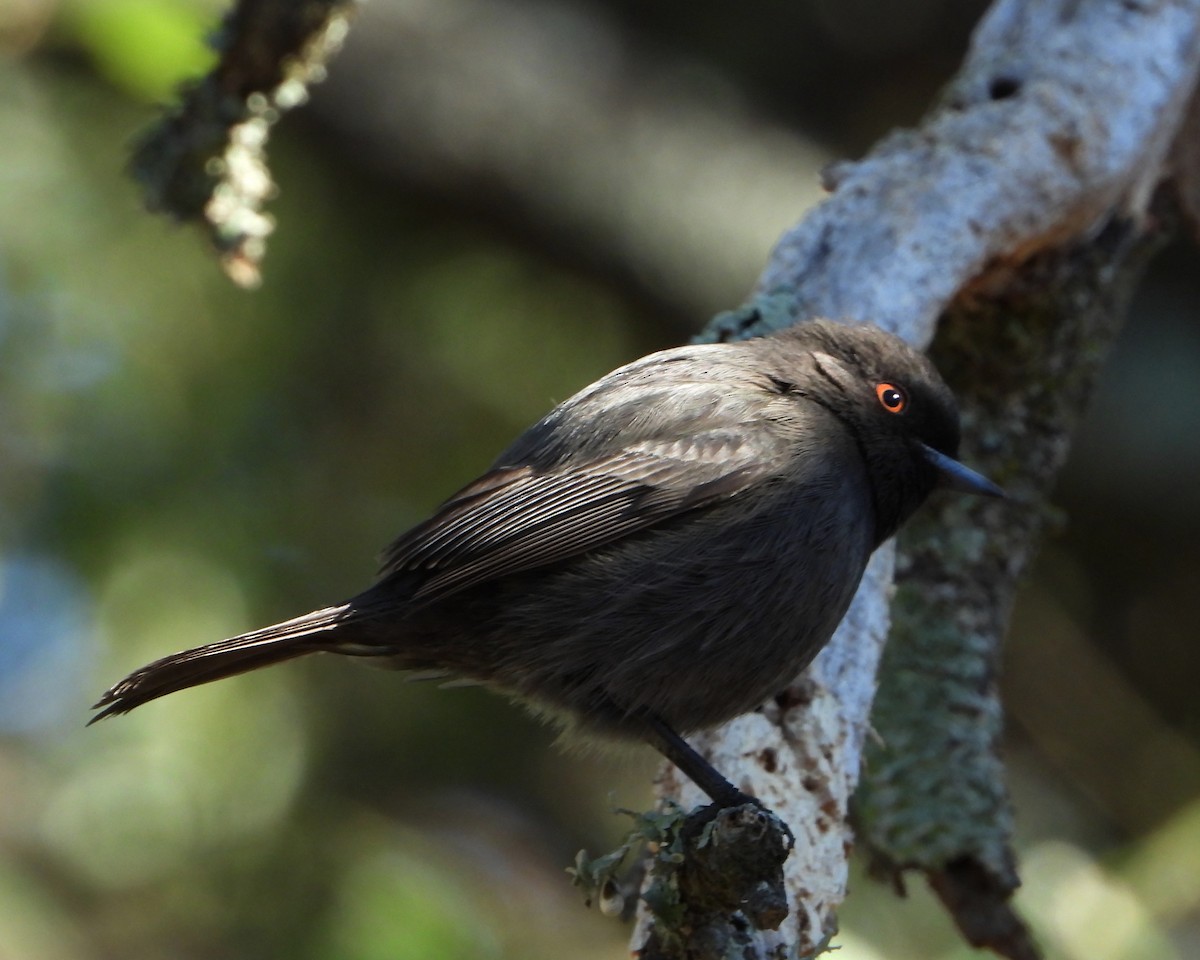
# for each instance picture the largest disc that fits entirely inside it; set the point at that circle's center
(181, 460)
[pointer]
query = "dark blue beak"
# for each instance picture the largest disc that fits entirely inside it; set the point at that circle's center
(954, 476)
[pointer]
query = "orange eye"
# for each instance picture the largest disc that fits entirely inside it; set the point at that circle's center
(892, 397)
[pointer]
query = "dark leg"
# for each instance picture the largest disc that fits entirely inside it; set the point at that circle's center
(702, 773)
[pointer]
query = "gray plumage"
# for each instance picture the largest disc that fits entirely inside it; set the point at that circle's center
(672, 545)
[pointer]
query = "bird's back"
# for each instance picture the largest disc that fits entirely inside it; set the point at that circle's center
(731, 602)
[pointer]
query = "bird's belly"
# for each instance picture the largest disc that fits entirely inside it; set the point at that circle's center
(694, 628)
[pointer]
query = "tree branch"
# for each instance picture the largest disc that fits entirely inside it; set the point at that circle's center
(1023, 359)
(1059, 123)
(562, 124)
(205, 160)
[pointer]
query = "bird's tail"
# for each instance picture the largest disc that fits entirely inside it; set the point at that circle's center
(310, 633)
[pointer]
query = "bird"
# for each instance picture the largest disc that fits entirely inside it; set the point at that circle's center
(662, 552)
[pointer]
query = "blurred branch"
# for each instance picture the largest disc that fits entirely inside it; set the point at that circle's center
(205, 160)
(992, 213)
(552, 119)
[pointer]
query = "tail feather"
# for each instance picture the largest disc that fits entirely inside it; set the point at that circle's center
(226, 658)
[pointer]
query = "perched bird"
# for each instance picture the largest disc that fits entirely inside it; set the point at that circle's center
(660, 553)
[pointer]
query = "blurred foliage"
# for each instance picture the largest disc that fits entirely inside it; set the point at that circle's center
(180, 460)
(144, 47)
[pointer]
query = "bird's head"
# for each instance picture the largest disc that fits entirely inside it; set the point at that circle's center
(902, 414)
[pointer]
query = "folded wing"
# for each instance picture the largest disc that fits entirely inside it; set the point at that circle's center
(518, 518)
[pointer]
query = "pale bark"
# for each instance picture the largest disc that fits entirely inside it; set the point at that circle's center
(1061, 118)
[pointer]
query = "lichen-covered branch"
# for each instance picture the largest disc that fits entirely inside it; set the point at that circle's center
(205, 160)
(1023, 360)
(1059, 124)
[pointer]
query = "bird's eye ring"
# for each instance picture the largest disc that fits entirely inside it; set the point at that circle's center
(892, 397)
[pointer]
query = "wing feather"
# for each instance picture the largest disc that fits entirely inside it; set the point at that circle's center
(517, 518)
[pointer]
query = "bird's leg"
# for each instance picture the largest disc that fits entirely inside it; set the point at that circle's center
(702, 773)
